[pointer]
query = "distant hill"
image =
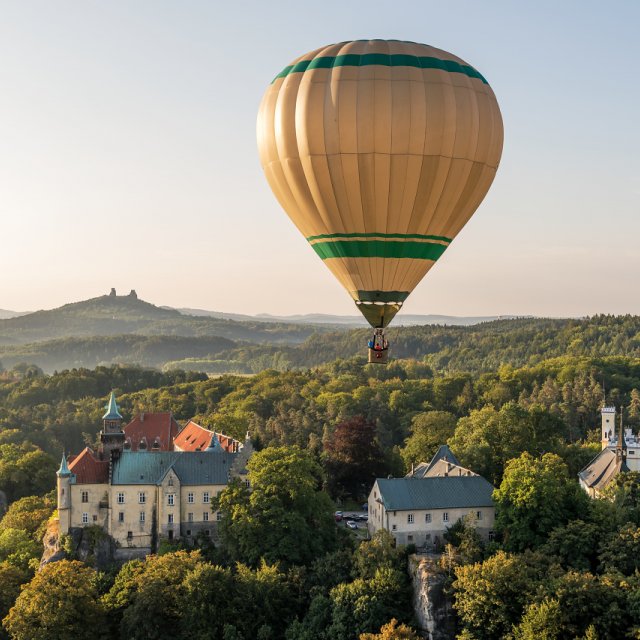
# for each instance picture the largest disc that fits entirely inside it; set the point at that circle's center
(401, 320)
(5, 313)
(111, 315)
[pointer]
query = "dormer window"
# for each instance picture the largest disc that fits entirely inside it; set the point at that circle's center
(143, 445)
(170, 483)
(156, 444)
(127, 444)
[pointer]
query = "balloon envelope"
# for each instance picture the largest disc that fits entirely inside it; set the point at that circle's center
(380, 152)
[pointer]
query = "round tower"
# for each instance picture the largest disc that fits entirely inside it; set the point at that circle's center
(64, 495)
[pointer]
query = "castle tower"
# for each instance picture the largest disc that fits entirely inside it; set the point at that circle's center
(112, 436)
(65, 478)
(608, 425)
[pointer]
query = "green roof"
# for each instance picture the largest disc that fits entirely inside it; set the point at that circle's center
(191, 467)
(451, 492)
(112, 409)
(63, 471)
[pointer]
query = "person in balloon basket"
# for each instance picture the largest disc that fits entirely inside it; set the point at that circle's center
(378, 342)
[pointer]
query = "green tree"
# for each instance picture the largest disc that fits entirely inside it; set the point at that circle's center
(11, 579)
(19, 549)
(491, 596)
(60, 602)
(285, 517)
(363, 606)
(621, 550)
(541, 621)
(428, 431)
(29, 515)
(535, 496)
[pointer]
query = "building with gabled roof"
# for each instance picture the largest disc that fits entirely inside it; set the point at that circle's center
(139, 494)
(153, 431)
(418, 509)
(443, 463)
(620, 453)
(194, 437)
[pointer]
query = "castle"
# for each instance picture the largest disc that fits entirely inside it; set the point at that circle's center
(149, 480)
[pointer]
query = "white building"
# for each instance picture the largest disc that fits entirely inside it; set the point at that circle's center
(418, 509)
(620, 453)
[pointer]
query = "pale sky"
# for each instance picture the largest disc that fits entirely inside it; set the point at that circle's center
(128, 155)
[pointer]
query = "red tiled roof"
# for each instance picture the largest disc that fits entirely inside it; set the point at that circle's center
(160, 428)
(88, 469)
(196, 438)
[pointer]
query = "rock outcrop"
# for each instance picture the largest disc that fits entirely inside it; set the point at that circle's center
(432, 606)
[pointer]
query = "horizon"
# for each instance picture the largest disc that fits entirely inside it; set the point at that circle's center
(130, 155)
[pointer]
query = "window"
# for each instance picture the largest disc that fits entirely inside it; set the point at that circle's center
(205, 516)
(410, 518)
(170, 483)
(393, 527)
(170, 518)
(142, 517)
(170, 499)
(121, 498)
(247, 484)
(121, 516)
(85, 518)
(427, 517)
(95, 518)
(142, 497)
(207, 532)
(478, 515)
(188, 532)
(129, 535)
(428, 537)
(409, 538)
(445, 516)
(190, 517)
(205, 497)
(190, 497)
(85, 496)
(218, 515)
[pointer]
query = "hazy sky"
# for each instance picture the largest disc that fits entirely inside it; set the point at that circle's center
(128, 156)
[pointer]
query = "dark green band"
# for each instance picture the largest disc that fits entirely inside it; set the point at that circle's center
(378, 249)
(382, 59)
(399, 236)
(382, 296)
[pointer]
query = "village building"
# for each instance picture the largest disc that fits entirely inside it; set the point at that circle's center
(419, 508)
(139, 487)
(620, 453)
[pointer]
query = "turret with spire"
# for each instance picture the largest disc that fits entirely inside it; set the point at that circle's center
(112, 436)
(65, 479)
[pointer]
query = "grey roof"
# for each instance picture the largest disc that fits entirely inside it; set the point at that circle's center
(602, 469)
(443, 453)
(452, 492)
(191, 467)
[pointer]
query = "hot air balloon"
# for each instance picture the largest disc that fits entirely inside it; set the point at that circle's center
(379, 151)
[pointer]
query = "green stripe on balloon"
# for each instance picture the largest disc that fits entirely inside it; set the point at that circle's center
(378, 249)
(396, 236)
(381, 59)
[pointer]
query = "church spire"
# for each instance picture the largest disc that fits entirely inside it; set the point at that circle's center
(112, 409)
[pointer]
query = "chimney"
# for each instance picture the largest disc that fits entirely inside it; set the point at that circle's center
(142, 416)
(113, 292)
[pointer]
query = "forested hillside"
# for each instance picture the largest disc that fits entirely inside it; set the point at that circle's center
(478, 348)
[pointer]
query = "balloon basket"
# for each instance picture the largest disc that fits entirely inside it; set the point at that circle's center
(378, 356)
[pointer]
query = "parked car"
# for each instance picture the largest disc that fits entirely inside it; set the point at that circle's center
(338, 516)
(364, 518)
(351, 524)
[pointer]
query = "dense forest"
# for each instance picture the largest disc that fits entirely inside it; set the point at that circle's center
(562, 567)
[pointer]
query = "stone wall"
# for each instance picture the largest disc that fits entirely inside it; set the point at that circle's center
(432, 606)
